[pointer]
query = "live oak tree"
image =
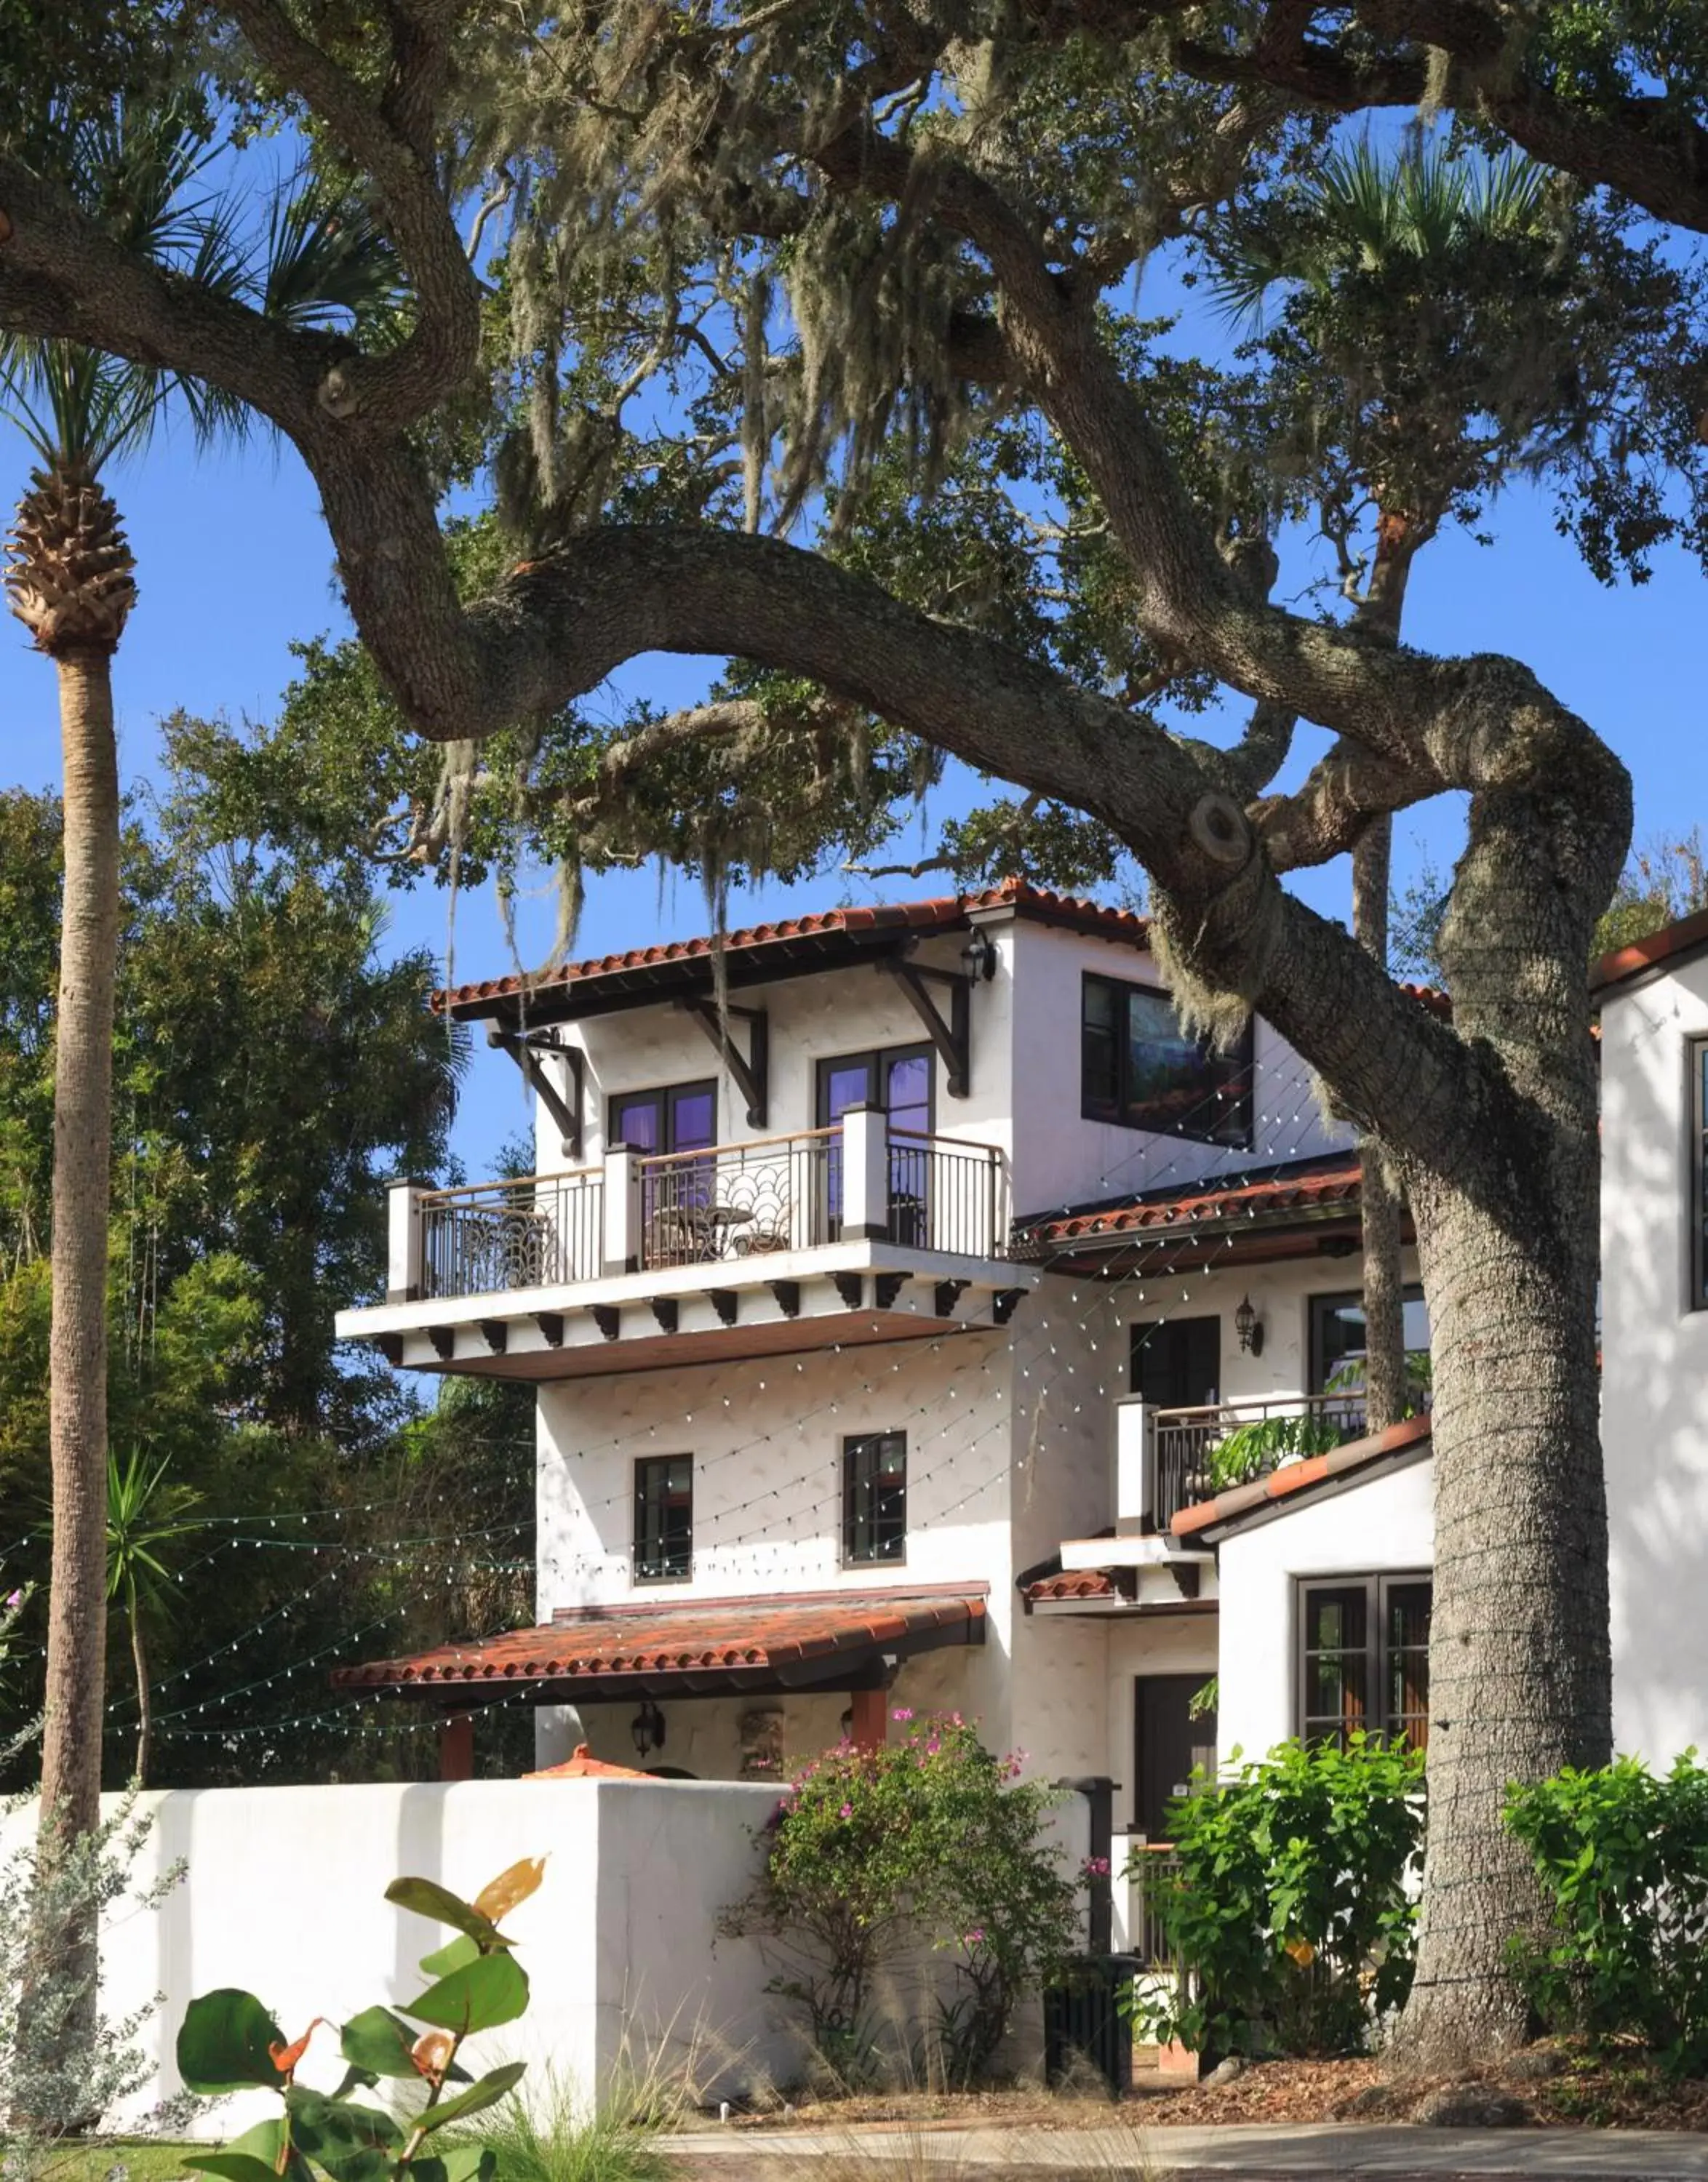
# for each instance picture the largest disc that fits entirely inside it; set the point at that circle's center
(754, 265)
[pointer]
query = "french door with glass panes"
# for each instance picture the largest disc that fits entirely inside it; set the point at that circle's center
(898, 1082)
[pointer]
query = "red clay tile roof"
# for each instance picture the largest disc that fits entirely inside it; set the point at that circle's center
(1308, 1187)
(580, 1765)
(945, 913)
(1296, 1477)
(1672, 943)
(693, 1637)
(1076, 1584)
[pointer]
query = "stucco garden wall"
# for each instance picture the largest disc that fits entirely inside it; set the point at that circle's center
(284, 1895)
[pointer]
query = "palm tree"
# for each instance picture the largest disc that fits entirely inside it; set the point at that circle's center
(1415, 283)
(144, 1515)
(136, 170)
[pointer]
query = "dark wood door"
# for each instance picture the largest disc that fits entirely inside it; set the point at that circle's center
(1177, 1362)
(1169, 1745)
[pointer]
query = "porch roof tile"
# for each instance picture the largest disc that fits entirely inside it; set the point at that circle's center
(1298, 1477)
(1077, 1584)
(631, 1644)
(1305, 1186)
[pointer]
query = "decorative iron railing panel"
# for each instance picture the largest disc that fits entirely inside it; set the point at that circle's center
(540, 1231)
(736, 1200)
(1154, 1869)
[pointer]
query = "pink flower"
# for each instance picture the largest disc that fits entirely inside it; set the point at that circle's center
(1096, 1867)
(847, 1810)
(975, 1938)
(15, 1598)
(902, 1712)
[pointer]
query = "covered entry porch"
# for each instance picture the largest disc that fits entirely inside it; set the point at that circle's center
(738, 1663)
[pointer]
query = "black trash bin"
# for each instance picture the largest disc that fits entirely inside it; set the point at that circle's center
(1083, 2018)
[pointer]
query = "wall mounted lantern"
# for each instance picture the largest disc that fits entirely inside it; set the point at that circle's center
(647, 1728)
(1249, 1327)
(978, 957)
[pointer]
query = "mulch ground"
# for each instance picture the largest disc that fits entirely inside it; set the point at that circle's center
(1551, 2086)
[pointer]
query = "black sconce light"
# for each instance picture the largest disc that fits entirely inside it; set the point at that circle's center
(1249, 1327)
(647, 1728)
(978, 957)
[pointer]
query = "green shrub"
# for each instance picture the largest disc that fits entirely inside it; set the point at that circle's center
(1253, 1450)
(1291, 1904)
(930, 1841)
(1622, 1858)
(228, 2041)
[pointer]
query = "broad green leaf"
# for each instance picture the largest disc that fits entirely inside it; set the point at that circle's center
(352, 2143)
(427, 1899)
(479, 1997)
(451, 1957)
(485, 2093)
(500, 1896)
(223, 2042)
(462, 2162)
(251, 2157)
(380, 2041)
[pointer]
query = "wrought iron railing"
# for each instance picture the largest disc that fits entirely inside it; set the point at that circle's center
(946, 1195)
(736, 1200)
(1154, 1871)
(540, 1231)
(1183, 1442)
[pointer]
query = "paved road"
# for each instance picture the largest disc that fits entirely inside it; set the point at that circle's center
(1120, 2152)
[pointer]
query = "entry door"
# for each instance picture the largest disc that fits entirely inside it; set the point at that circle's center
(899, 1082)
(1167, 1745)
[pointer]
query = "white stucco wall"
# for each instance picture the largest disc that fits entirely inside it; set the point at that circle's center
(1060, 1160)
(1386, 1523)
(1654, 1365)
(284, 1896)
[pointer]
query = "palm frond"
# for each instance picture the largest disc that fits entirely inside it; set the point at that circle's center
(326, 257)
(74, 404)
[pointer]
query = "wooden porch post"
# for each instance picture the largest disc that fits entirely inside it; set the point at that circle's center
(869, 1728)
(456, 1747)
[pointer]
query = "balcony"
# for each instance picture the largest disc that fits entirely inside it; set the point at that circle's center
(849, 1233)
(1169, 1459)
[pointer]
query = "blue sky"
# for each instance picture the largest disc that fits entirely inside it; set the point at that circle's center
(233, 564)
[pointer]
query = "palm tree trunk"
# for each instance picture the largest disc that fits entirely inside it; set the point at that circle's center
(82, 1156)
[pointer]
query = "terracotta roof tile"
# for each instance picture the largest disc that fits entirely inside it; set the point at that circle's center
(1296, 1477)
(1671, 944)
(941, 913)
(693, 1635)
(1077, 1584)
(1305, 1186)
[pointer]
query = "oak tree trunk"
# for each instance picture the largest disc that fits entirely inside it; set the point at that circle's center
(1520, 1674)
(82, 1153)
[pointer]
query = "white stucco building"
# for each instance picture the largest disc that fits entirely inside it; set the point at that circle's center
(881, 1325)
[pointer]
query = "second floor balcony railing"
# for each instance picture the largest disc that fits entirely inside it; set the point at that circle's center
(854, 1182)
(1190, 1455)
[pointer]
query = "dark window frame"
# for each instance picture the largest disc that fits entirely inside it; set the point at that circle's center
(1378, 1589)
(1240, 1104)
(1698, 1174)
(644, 1465)
(858, 1448)
(877, 1059)
(663, 1094)
(1319, 1303)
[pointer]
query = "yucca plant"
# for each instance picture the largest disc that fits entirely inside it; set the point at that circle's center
(145, 1516)
(138, 171)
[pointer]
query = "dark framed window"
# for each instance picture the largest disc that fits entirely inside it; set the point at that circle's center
(1138, 1067)
(663, 1518)
(1176, 1363)
(874, 1497)
(1337, 1338)
(900, 1081)
(1698, 1174)
(680, 1117)
(1363, 1658)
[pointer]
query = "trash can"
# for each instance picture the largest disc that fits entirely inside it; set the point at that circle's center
(1082, 2017)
